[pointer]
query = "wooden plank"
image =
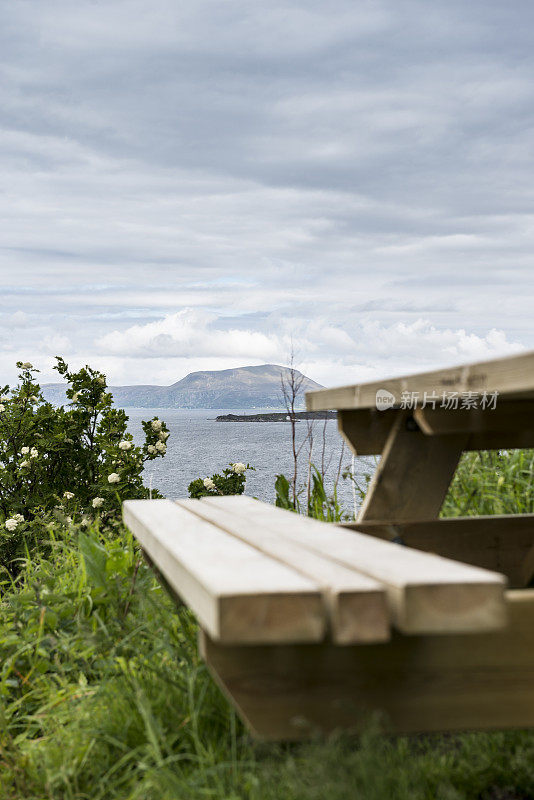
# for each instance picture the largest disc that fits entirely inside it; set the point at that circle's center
(511, 377)
(527, 568)
(509, 415)
(414, 473)
(497, 543)
(426, 593)
(366, 429)
(500, 440)
(356, 603)
(419, 683)
(237, 593)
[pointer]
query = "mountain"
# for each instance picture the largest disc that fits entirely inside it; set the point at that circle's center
(243, 387)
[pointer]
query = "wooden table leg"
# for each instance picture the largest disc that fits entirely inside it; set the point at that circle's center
(414, 473)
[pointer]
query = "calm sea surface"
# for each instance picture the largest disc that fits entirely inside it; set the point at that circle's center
(199, 446)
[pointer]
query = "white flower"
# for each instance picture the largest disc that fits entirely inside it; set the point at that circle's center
(208, 483)
(101, 380)
(25, 463)
(2, 407)
(114, 477)
(156, 424)
(151, 449)
(85, 522)
(4, 398)
(18, 517)
(239, 468)
(97, 502)
(24, 450)
(75, 397)
(11, 524)
(164, 435)
(68, 519)
(34, 452)
(26, 365)
(68, 495)
(161, 447)
(125, 445)
(34, 398)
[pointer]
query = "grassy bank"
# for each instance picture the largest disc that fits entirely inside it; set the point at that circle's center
(102, 694)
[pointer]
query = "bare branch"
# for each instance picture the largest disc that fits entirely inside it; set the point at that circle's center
(291, 381)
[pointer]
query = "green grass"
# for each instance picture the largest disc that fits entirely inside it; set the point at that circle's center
(103, 696)
(492, 482)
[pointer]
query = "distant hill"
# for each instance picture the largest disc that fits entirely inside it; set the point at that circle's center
(243, 387)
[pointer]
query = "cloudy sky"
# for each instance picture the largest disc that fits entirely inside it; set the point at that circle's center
(196, 184)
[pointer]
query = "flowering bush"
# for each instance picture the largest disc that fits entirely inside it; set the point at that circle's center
(66, 464)
(232, 481)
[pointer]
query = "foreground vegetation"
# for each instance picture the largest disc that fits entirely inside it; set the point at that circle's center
(103, 696)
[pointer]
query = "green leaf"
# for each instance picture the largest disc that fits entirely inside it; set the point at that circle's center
(281, 486)
(95, 559)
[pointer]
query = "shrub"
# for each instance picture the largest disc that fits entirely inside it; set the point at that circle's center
(66, 464)
(232, 481)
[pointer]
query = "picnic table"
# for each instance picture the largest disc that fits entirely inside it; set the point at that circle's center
(310, 626)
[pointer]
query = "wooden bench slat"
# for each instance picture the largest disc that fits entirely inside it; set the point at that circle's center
(356, 603)
(426, 593)
(238, 594)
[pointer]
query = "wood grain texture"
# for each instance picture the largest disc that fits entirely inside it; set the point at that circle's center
(527, 568)
(356, 604)
(511, 377)
(413, 475)
(366, 429)
(237, 593)
(420, 683)
(498, 543)
(426, 593)
(508, 415)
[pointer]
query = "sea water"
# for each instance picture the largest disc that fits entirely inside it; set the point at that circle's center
(199, 446)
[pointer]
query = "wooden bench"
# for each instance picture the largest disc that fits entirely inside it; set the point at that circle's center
(309, 626)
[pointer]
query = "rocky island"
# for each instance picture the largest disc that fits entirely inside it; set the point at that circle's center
(276, 416)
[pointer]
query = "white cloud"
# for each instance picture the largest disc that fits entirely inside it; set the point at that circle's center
(188, 333)
(325, 351)
(421, 341)
(56, 343)
(15, 320)
(375, 350)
